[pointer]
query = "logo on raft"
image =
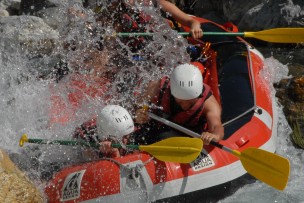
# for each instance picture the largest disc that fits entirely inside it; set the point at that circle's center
(71, 186)
(203, 161)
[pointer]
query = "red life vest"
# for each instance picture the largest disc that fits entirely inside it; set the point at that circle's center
(192, 118)
(133, 20)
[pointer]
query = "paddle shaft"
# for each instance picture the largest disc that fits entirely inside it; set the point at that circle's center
(276, 35)
(75, 143)
(191, 133)
(136, 34)
(174, 149)
(115, 145)
(96, 145)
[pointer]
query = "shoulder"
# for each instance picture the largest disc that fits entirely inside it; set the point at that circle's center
(211, 104)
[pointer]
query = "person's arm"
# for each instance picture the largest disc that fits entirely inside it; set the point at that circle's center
(150, 93)
(182, 18)
(107, 150)
(215, 131)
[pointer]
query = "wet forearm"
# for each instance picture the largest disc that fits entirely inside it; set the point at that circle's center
(218, 131)
(176, 13)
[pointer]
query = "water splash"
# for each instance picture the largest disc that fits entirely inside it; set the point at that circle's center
(84, 51)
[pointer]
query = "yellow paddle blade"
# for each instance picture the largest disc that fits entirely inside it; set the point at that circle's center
(279, 35)
(175, 149)
(266, 166)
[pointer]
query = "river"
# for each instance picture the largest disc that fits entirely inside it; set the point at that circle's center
(24, 106)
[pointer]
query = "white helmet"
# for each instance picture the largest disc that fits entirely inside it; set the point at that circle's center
(114, 120)
(186, 82)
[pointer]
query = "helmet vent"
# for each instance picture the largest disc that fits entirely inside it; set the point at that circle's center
(118, 120)
(181, 83)
(190, 83)
(125, 117)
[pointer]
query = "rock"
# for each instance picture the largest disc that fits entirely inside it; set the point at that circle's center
(32, 37)
(11, 6)
(298, 56)
(14, 7)
(53, 16)
(14, 184)
(3, 13)
(291, 95)
(235, 10)
(252, 15)
(211, 10)
(32, 7)
(296, 89)
(30, 31)
(271, 14)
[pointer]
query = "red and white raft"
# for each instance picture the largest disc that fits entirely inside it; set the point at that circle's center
(232, 69)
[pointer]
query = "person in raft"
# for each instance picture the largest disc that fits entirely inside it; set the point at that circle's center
(123, 8)
(113, 124)
(177, 14)
(183, 99)
(182, 18)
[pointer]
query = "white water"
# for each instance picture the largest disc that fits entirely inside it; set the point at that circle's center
(24, 104)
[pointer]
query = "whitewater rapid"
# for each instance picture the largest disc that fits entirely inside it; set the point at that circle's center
(25, 104)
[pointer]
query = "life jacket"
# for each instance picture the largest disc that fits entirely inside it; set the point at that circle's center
(192, 118)
(87, 131)
(133, 20)
(130, 25)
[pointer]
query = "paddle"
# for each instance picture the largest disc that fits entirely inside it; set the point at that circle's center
(276, 35)
(270, 168)
(176, 149)
(24, 139)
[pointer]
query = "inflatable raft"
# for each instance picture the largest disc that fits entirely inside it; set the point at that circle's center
(232, 69)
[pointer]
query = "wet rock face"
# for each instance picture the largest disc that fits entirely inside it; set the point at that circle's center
(296, 89)
(291, 95)
(235, 10)
(32, 36)
(254, 14)
(273, 13)
(31, 7)
(15, 186)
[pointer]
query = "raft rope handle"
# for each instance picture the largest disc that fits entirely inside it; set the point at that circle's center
(135, 173)
(137, 170)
